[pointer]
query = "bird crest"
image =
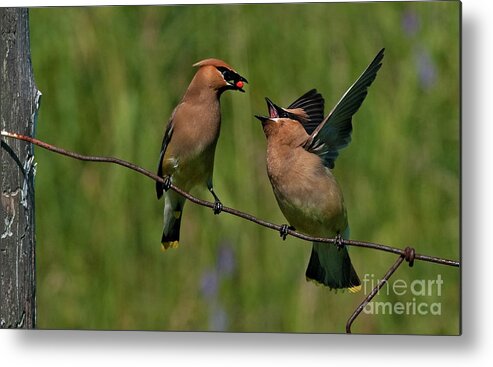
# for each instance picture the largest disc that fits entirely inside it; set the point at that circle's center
(213, 62)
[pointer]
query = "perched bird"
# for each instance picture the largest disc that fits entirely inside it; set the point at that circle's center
(302, 147)
(189, 142)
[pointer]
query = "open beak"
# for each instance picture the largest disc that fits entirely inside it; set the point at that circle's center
(263, 119)
(239, 84)
(273, 109)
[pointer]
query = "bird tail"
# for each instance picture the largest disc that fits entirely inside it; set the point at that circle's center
(331, 266)
(173, 208)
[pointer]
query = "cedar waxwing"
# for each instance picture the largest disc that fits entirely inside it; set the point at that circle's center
(302, 147)
(189, 142)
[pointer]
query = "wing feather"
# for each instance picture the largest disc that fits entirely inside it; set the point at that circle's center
(166, 139)
(334, 132)
(312, 103)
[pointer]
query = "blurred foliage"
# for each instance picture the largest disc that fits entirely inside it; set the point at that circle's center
(110, 77)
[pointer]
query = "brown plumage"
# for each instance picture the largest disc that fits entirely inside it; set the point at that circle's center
(306, 190)
(302, 147)
(189, 142)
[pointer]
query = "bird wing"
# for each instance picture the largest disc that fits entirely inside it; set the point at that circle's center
(166, 139)
(312, 103)
(334, 132)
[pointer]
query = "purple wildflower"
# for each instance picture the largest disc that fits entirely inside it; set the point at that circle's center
(226, 259)
(426, 68)
(209, 284)
(410, 23)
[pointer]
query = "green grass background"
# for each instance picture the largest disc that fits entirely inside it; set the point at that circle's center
(110, 77)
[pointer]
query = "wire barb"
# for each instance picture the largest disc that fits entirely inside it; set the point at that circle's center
(409, 254)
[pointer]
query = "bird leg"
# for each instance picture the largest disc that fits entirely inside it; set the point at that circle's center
(283, 231)
(167, 183)
(218, 206)
(338, 241)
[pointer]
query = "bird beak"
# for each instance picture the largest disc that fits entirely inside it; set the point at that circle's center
(263, 119)
(273, 109)
(239, 84)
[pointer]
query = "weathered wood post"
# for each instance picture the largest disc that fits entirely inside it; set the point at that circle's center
(19, 102)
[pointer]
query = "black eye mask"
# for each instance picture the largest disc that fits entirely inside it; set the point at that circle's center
(228, 75)
(234, 80)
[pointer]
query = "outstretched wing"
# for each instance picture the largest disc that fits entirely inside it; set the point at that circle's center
(312, 103)
(334, 133)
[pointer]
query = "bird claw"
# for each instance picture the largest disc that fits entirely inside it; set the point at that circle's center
(338, 241)
(218, 207)
(283, 231)
(167, 183)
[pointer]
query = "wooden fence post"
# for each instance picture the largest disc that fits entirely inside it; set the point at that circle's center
(19, 102)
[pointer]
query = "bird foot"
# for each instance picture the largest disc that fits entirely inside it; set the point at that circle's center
(338, 241)
(218, 207)
(283, 231)
(167, 183)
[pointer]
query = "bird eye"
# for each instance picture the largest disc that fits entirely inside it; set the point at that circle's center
(228, 75)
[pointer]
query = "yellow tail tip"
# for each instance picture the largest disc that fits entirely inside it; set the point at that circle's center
(355, 289)
(167, 245)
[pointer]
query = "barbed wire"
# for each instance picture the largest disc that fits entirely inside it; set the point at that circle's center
(408, 254)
